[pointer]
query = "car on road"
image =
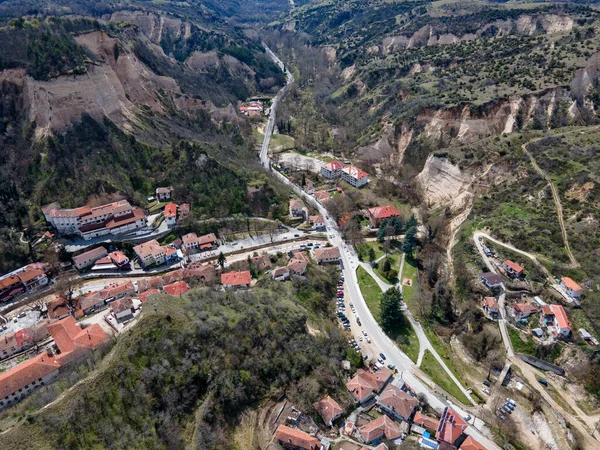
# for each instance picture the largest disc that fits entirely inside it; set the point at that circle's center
(22, 314)
(391, 366)
(310, 244)
(358, 322)
(327, 217)
(382, 356)
(468, 417)
(296, 235)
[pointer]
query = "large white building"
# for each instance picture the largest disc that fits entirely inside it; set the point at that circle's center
(113, 218)
(354, 176)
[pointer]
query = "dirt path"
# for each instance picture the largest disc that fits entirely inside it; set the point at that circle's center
(559, 208)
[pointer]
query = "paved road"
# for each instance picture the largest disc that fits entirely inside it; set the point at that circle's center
(350, 262)
(528, 372)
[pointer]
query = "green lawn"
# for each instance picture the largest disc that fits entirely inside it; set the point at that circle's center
(370, 291)
(521, 343)
(157, 207)
(394, 261)
(438, 375)
(363, 250)
(408, 292)
(281, 142)
(405, 337)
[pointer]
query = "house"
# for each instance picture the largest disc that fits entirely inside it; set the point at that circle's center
(280, 274)
(512, 269)
(291, 438)
(33, 276)
(13, 343)
(192, 243)
(236, 279)
(571, 288)
(200, 273)
(381, 213)
(554, 317)
(524, 310)
(491, 280)
(297, 208)
(146, 295)
(150, 253)
(490, 307)
(170, 214)
(332, 169)
(366, 384)
(354, 176)
(297, 267)
(58, 308)
(309, 187)
(451, 428)
(88, 258)
(471, 444)
(329, 410)
(327, 255)
(396, 403)
(261, 262)
(92, 301)
(10, 285)
(72, 343)
(184, 210)
(119, 259)
(122, 309)
(177, 289)
(317, 222)
(381, 427)
(164, 193)
(426, 422)
(322, 196)
(300, 256)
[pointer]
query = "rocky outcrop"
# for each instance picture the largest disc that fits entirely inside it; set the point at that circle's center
(442, 183)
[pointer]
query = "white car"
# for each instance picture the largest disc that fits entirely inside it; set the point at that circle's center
(368, 339)
(364, 333)
(360, 338)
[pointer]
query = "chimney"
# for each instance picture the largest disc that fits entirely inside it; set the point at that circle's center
(50, 352)
(88, 333)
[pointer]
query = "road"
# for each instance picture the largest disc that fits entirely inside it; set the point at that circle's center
(350, 263)
(530, 374)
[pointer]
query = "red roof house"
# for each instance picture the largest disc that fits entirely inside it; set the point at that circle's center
(380, 213)
(296, 439)
(329, 410)
(236, 279)
(177, 289)
(376, 429)
(451, 426)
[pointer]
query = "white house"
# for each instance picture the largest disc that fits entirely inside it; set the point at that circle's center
(332, 169)
(164, 193)
(354, 176)
(327, 255)
(571, 288)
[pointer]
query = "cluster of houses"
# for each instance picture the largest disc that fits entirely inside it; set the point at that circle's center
(25, 279)
(71, 343)
(400, 415)
(252, 108)
(347, 172)
(113, 218)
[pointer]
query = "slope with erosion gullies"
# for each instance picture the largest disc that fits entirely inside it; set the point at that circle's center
(422, 73)
(187, 371)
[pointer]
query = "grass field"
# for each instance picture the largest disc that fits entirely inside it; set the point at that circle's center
(394, 261)
(435, 371)
(520, 342)
(370, 291)
(408, 292)
(363, 249)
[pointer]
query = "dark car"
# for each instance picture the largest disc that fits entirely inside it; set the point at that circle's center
(382, 356)
(358, 322)
(543, 381)
(487, 383)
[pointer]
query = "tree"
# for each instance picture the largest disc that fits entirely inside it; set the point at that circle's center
(391, 314)
(381, 235)
(352, 232)
(221, 260)
(387, 266)
(66, 284)
(410, 241)
(411, 222)
(372, 255)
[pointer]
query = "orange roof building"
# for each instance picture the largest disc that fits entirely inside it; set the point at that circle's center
(451, 426)
(381, 213)
(146, 295)
(329, 410)
(572, 288)
(513, 269)
(354, 176)
(471, 444)
(236, 279)
(177, 289)
(426, 422)
(378, 428)
(397, 403)
(292, 438)
(365, 384)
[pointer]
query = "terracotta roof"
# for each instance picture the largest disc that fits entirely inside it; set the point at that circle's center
(300, 256)
(296, 204)
(514, 266)
(291, 436)
(184, 208)
(93, 254)
(451, 426)
(561, 316)
(135, 215)
(355, 172)
(26, 373)
(327, 253)
(9, 281)
(322, 195)
(207, 239)
(149, 248)
(280, 271)
(398, 401)
(145, 296)
(547, 310)
(328, 409)
(426, 421)
(189, 238)
(58, 307)
(68, 336)
(207, 273)
(29, 274)
(297, 266)
(316, 219)
(65, 213)
(261, 261)
(164, 190)
(176, 289)
(332, 166)
(121, 305)
(379, 427)
(525, 308)
(490, 302)
(384, 212)
(170, 210)
(236, 278)
(569, 283)
(118, 257)
(16, 339)
(471, 444)
(364, 382)
(47, 209)
(115, 289)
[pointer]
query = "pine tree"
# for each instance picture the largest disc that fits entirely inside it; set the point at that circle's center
(221, 260)
(391, 313)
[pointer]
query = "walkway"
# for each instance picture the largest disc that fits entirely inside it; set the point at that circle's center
(424, 343)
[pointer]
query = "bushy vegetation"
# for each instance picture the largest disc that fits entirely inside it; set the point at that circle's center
(186, 372)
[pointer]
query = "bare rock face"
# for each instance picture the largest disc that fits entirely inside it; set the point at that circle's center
(442, 183)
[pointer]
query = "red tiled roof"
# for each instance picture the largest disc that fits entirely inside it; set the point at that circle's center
(355, 172)
(118, 257)
(547, 310)
(76, 212)
(121, 305)
(384, 212)
(471, 444)
(327, 253)
(16, 339)
(451, 426)
(209, 238)
(397, 400)
(178, 288)
(426, 422)
(297, 438)
(145, 296)
(236, 278)
(134, 216)
(26, 373)
(164, 190)
(364, 383)
(149, 248)
(9, 281)
(328, 409)
(322, 195)
(316, 219)
(379, 427)
(58, 307)
(206, 273)
(561, 316)
(296, 204)
(514, 266)
(332, 166)
(184, 208)
(525, 308)
(170, 210)
(261, 261)
(569, 283)
(30, 274)
(189, 238)
(300, 256)
(297, 266)
(490, 302)
(68, 336)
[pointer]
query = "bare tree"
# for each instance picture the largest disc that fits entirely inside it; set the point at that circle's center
(66, 284)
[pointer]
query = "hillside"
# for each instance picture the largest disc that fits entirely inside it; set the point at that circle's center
(184, 374)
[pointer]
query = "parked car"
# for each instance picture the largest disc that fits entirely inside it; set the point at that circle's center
(380, 361)
(368, 339)
(486, 391)
(296, 235)
(382, 356)
(360, 338)
(391, 366)
(22, 314)
(501, 416)
(358, 322)
(487, 383)
(366, 357)
(511, 401)
(364, 333)
(543, 381)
